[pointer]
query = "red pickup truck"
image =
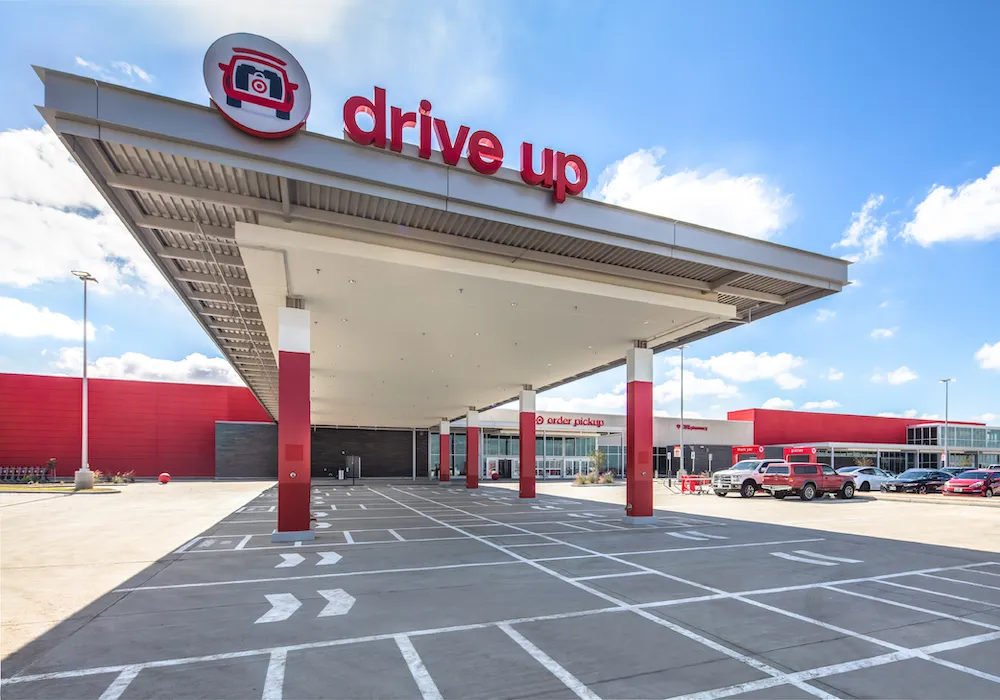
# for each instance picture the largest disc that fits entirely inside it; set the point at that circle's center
(806, 480)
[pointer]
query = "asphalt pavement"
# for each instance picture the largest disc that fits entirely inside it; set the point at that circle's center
(421, 590)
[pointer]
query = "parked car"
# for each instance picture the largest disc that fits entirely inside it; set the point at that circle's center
(744, 477)
(917, 481)
(980, 482)
(806, 480)
(866, 478)
(954, 471)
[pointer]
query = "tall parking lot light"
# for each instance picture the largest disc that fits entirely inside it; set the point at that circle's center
(947, 453)
(681, 472)
(84, 478)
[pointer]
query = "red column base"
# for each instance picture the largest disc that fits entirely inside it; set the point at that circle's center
(526, 452)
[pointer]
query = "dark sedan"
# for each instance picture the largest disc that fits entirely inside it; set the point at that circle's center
(917, 481)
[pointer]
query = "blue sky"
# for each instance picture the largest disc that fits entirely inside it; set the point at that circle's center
(811, 124)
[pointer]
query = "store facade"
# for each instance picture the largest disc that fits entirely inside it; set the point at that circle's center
(566, 443)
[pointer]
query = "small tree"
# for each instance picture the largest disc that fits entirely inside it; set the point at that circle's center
(864, 462)
(599, 461)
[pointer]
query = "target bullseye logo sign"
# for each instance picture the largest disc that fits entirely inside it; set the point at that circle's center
(257, 85)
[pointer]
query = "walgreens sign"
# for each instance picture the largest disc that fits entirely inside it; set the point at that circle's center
(563, 174)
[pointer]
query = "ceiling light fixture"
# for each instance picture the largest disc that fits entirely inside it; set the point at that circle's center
(344, 320)
(350, 281)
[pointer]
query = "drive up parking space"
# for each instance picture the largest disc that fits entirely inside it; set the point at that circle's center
(433, 591)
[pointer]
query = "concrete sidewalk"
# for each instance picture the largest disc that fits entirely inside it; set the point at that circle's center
(59, 553)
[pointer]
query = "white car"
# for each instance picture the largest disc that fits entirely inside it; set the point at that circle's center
(744, 477)
(867, 478)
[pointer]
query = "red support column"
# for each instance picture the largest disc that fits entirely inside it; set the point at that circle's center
(526, 452)
(444, 472)
(639, 435)
(294, 420)
(472, 450)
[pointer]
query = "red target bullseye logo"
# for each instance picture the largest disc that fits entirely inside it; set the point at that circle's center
(539, 420)
(259, 86)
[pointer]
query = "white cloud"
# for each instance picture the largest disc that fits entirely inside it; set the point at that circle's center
(120, 72)
(867, 232)
(902, 375)
(884, 304)
(969, 212)
(670, 390)
(930, 416)
(883, 333)
(834, 375)
(601, 403)
(825, 315)
(778, 404)
(24, 320)
(989, 356)
(451, 50)
(747, 366)
(744, 204)
(305, 21)
(910, 413)
(193, 369)
(988, 418)
(55, 221)
(663, 393)
(827, 405)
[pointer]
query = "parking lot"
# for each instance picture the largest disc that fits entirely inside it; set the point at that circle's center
(431, 591)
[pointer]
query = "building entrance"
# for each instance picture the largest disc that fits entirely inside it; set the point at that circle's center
(505, 467)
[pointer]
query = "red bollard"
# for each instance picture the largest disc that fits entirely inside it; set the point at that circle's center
(164, 478)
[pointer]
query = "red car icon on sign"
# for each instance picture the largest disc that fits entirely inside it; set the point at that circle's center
(260, 79)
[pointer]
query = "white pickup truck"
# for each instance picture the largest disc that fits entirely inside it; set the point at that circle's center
(744, 477)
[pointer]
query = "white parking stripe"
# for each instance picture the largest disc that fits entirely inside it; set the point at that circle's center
(551, 665)
(709, 536)
(939, 593)
(347, 536)
(683, 536)
(274, 682)
(816, 555)
(121, 683)
(792, 557)
(428, 688)
(243, 542)
(958, 580)
(396, 535)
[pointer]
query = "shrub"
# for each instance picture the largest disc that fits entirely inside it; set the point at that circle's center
(98, 475)
(592, 477)
(129, 477)
(579, 480)
(607, 478)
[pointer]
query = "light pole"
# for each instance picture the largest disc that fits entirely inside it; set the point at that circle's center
(84, 478)
(681, 429)
(947, 452)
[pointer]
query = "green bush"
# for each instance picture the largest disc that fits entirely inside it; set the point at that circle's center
(579, 480)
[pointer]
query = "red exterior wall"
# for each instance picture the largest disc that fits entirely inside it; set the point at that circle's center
(150, 427)
(772, 427)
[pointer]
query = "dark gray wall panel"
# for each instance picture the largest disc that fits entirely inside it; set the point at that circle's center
(246, 450)
(384, 453)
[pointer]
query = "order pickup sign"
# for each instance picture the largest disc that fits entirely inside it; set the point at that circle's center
(563, 174)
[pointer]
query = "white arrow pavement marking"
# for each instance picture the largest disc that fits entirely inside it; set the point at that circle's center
(322, 526)
(321, 514)
(282, 607)
(289, 560)
(327, 558)
(340, 602)
(583, 515)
